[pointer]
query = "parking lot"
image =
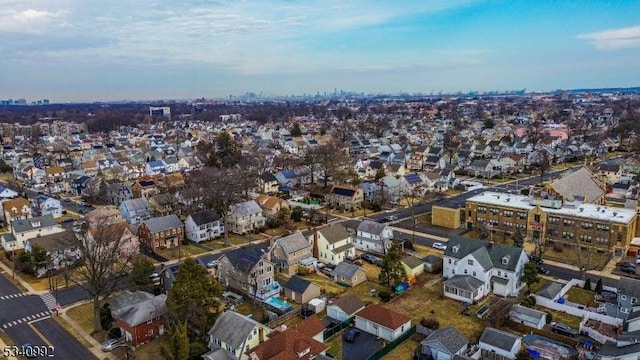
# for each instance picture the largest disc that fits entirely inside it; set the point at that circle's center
(363, 347)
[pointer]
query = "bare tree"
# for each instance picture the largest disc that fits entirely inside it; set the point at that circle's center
(450, 144)
(104, 256)
(334, 162)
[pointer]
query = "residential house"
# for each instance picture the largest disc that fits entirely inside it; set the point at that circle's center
(499, 345)
(382, 322)
(103, 215)
(135, 211)
(203, 226)
(268, 183)
(79, 184)
(245, 217)
(345, 308)
(628, 295)
(145, 188)
(15, 209)
(287, 252)
(432, 264)
(6, 193)
(311, 327)
(250, 271)
(44, 205)
(233, 335)
(345, 198)
(444, 344)
(118, 192)
(141, 316)
(25, 229)
(348, 274)
(484, 168)
(300, 290)
(54, 175)
(163, 232)
(392, 189)
(611, 350)
(611, 172)
(271, 205)
(155, 167)
(528, 316)
(61, 248)
(475, 268)
(373, 236)
(171, 165)
(163, 204)
(333, 244)
(288, 344)
(116, 238)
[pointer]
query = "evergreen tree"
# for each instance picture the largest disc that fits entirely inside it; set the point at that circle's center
(587, 284)
(518, 239)
(530, 275)
(391, 270)
(193, 299)
(598, 289)
(295, 129)
(380, 173)
(178, 348)
(141, 270)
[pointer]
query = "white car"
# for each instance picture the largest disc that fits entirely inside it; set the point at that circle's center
(440, 246)
(112, 344)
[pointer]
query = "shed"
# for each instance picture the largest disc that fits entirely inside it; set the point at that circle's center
(300, 290)
(432, 264)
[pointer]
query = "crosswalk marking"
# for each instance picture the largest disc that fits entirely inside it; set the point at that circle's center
(29, 319)
(48, 300)
(12, 296)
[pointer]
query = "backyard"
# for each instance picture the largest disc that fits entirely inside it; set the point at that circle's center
(581, 296)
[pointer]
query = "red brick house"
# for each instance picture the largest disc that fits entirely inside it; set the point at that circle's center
(139, 315)
(164, 232)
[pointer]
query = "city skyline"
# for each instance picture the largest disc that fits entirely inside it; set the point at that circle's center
(69, 50)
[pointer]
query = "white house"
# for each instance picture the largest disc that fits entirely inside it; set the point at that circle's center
(6, 193)
(345, 307)
(373, 236)
(204, 225)
(528, 316)
(44, 205)
(26, 229)
(382, 322)
(444, 344)
(475, 268)
(232, 335)
(499, 345)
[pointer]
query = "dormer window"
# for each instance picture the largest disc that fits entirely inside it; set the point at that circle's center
(505, 259)
(456, 248)
(303, 352)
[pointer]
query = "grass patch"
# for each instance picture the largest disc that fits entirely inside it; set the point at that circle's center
(425, 250)
(335, 347)
(246, 308)
(83, 316)
(406, 350)
(274, 232)
(561, 317)
(74, 333)
(537, 286)
(425, 299)
(42, 283)
(179, 252)
(581, 296)
(151, 350)
(372, 271)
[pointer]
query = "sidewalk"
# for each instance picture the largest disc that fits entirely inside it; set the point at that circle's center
(420, 234)
(95, 347)
(23, 283)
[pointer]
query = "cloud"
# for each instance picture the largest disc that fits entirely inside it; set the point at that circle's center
(614, 39)
(31, 20)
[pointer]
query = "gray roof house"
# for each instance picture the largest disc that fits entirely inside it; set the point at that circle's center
(349, 274)
(527, 316)
(345, 307)
(136, 210)
(288, 251)
(373, 236)
(232, 335)
(139, 315)
(301, 290)
(444, 344)
(494, 342)
(474, 268)
(245, 217)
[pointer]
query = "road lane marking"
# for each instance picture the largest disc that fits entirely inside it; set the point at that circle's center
(40, 334)
(39, 319)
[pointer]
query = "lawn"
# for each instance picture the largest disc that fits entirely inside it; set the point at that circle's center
(425, 300)
(406, 350)
(372, 271)
(179, 252)
(537, 286)
(581, 296)
(151, 350)
(561, 317)
(83, 316)
(39, 284)
(335, 347)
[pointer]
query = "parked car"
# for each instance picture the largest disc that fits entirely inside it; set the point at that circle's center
(369, 258)
(628, 269)
(440, 246)
(112, 344)
(563, 329)
(535, 259)
(625, 263)
(542, 270)
(327, 271)
(351, 335)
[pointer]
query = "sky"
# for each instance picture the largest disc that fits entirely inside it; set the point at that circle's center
(96, 50)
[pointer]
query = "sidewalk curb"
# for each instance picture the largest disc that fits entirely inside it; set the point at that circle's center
(96, 347)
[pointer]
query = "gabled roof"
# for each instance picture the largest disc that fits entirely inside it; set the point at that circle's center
(449, 338)
(289, 345)
(136, 204)
(371, 227)
(486, 253)
(55, 242)
(349, 304)
(233, 328)
(245, 208)
(343, 190)
(297, 284)
(334, 233)
(143, 311)
(346, 270)
(244, 259)
(383, 316)
(412, 262)
(550, 290)
(310, 326)
(163, 223)
(292, 243)
(578, 183)
(205, 217)
(499, 339)
(629, 287)
(33, 223)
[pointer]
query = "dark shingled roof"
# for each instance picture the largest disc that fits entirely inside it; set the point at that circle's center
(449, 338)
(498, 338)
(297, 284)
(205, 217)
(349, 304)
(246, 258)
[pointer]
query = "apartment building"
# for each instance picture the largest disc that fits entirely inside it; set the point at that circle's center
(549, 219)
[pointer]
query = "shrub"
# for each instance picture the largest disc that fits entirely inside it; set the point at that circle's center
(196, 349)
(431, 323)
(273, 223)
(385, 295)
(531, 300)
(587, 284)
(598, 289)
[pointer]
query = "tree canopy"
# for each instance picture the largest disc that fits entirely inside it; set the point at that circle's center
(193, 299)
(141, 270)
(530, 274)
(391, 269)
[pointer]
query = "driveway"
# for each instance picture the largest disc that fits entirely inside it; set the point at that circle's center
(364, 346)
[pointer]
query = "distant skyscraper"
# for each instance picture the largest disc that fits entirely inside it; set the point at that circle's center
(160, 111)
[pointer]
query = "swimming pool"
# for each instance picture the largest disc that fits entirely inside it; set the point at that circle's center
(540, 346)
(278, 303)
